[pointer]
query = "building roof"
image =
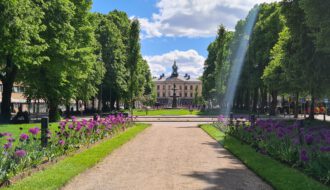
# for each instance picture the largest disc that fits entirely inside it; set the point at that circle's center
(175, 76)
(179, 78)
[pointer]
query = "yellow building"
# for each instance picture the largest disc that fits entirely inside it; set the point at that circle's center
(187, 88)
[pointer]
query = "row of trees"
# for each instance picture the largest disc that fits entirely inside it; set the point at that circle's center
(60, 52)
(288, 53)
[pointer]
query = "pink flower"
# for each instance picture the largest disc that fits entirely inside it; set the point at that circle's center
(34, 131)
(61, 142)
(20, 153)
(24, 137)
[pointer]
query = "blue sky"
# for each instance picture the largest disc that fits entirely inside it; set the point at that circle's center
(178, 30)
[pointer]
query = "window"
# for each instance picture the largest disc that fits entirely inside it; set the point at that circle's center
(163, 94)
(180, 87)
(169, 93)
(185, 87)
(185, 94)
(163, 87)
(191, 87)
(15, 89)
(191, 94)
(158, 87)
(158, 94)
(21, 89)
(180, 94)
(169, 87)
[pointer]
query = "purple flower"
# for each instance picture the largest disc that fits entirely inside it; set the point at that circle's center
(6, 134)
(78, 127)
(71, 126)
(34, 131)
(10, 139)
(62, 124)
(325, 149)
(24, 137)
(309, 139)
(61, 142)
(20, 153)
(221, 118)
(304, 156)
(7, 145)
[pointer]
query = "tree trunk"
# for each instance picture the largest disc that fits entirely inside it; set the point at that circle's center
(255, 100)
(68, 111)
(296, 107)
(112, 104)
(311, 112)
(247, 100)
(93, 103)
(263, 99)
(273, 103)
(53, 112)
(77, 105)
(8, 83)
(118, 104)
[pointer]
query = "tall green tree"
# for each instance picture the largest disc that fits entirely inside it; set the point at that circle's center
(133, 57)
(89, 72)
(70, 39)
(20, 43)
(114, 56)
(303, 59)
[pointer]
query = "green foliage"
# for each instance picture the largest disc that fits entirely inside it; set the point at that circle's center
(317, 18)
(217, 66)
(288, 53)
(20, 43)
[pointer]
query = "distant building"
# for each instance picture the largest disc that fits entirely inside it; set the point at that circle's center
(187, 88)
(18, 99)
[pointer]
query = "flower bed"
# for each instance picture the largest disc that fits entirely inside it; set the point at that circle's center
(26, 150)
(306, 148)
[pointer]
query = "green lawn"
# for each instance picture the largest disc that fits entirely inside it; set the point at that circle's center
(165, 112)
(15, 129)
(60, 173)
(278, 175)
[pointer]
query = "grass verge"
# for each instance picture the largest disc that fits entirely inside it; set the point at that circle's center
(60, 173)
(278, 175)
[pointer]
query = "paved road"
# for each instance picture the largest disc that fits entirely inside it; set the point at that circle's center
(169, 156)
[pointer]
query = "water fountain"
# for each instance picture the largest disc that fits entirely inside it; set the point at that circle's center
(239, 57)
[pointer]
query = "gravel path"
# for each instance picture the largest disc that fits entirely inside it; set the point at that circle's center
(169, 156)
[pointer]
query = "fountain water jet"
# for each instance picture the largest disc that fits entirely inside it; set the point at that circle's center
(236, 68)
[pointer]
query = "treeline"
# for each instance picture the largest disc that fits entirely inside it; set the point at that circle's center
(288, 54)
(60, 52)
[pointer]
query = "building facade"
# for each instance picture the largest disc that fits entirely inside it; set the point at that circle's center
(187, 89)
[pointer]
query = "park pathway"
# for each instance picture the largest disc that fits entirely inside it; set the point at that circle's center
(169, 156)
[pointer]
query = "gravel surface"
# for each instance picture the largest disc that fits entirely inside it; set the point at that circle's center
(169, 156)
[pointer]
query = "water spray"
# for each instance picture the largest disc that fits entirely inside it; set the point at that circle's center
(238, 62)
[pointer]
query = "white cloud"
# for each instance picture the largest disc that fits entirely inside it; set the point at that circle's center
(195, 18)
(188, 62)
